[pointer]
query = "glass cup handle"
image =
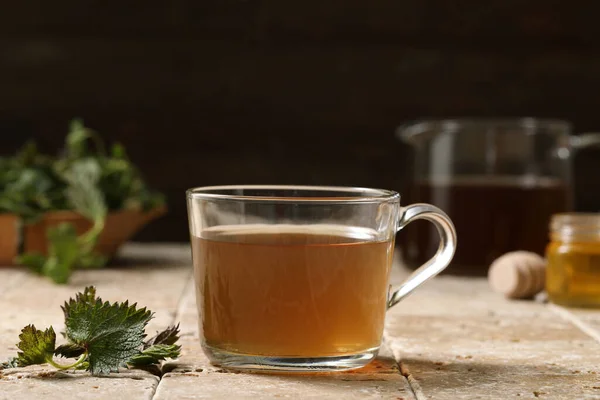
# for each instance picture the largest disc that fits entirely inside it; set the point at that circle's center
(442, 257)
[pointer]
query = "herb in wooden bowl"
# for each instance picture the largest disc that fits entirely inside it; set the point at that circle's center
(86, 182)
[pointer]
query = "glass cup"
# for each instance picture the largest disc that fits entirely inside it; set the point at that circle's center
(296, 278)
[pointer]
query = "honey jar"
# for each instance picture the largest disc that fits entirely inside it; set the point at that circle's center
(573, 260)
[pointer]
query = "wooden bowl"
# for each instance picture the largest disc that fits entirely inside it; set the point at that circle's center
(120, 226)
(9, 238)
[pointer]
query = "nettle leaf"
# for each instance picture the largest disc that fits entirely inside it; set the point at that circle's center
(102, 336)
(118, 151)
(27, 154)
(155, 354)
(87, 298)
(11, 363)
(63, 252)
(111, 333)
(69, 350)
(168, 336)
(77, 138)
(83, 192)
(37, 347)
(26, 192)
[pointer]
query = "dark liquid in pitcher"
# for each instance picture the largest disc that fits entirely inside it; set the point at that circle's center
(491, 218)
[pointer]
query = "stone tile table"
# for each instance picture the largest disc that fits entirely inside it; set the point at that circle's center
(452, 339)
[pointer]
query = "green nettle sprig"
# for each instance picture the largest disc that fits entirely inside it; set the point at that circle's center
(101, 336)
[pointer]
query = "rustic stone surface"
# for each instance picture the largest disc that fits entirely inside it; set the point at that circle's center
(193, 377)
(207, 385)
(501, 383)
(10, 277)
(453, 339)
(457, 339)
(40, 383)
(586, 320)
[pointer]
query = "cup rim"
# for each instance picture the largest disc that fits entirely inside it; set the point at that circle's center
(331, 194)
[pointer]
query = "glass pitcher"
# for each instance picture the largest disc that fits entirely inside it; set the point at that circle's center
(500, 180)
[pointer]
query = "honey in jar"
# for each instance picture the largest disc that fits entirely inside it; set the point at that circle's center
(573, 260)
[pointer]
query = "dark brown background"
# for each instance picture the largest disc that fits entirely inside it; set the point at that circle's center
(272, 91)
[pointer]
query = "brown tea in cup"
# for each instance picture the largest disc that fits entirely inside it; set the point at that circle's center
(289, 291)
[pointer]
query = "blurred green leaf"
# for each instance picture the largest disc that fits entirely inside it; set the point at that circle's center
(82, 190)
(118, 151)
(77, 139)
(35, 261)
(63, 251)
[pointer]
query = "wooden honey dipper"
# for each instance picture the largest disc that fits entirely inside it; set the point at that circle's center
(518, 274)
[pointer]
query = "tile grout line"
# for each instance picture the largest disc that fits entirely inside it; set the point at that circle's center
(151, 395)
(567, 316)
(414, 385)
(181, 303)
(410, 380)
